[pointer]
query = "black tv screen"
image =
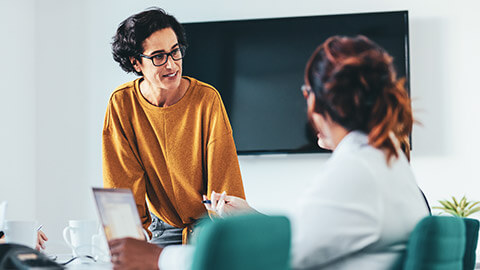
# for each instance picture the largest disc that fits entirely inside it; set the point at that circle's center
(257, 66)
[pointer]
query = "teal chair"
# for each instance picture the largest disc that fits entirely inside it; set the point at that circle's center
(253, 242)
(436, 243)
(469, 259)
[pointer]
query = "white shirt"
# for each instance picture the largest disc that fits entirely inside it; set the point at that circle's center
(360, 211)
(358, 214)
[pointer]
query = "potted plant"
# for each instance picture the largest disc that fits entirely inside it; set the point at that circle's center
(459, 208)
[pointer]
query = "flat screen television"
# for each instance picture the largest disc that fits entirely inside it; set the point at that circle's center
(257, 66)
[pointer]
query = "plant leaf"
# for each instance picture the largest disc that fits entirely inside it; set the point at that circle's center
(453, 213)
(451, 206)
(471, 211)
(445, 204)
(473, 204)
(455, 202)
(462, 202)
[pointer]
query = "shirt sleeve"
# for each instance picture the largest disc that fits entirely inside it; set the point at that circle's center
(222, 168)
(334, 218)
(176, 257)
(121, 165)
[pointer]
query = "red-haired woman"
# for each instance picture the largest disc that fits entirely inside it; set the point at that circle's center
(360, 211)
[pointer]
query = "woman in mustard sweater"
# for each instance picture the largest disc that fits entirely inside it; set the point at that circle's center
(166, 137)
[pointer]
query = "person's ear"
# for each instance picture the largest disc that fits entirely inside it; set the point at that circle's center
(135, 64)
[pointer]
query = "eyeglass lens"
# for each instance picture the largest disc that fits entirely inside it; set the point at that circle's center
(162, 58)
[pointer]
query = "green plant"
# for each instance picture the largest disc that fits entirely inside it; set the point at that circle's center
(462, 208)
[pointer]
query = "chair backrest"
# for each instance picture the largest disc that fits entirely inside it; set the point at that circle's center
(469, 259)
(243, 242)
(436, 243)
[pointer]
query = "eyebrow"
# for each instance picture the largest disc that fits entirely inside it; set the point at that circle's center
(162, 51)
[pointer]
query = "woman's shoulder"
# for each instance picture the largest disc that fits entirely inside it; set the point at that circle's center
(123, 93)
(360, 164)
(203, 90)
(355, 148)
(355, 161)
(351, 168)
(124, 89)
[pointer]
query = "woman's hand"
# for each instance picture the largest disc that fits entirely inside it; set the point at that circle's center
(224, 205)
(130, 253)
(41, 238)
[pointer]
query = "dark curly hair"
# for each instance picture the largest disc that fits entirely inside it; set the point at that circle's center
(355, 84)
(131, 33)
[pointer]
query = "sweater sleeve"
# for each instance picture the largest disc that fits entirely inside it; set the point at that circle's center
(121, 165)
(223, 170)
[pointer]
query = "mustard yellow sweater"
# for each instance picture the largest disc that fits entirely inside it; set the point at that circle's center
(167, 155)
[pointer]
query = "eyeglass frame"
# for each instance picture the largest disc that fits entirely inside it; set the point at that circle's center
(180, 47)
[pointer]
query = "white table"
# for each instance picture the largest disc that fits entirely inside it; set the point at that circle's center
(82, 263)
(90, 266)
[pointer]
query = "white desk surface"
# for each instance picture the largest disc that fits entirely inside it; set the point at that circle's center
(82, 263)
(90, 266)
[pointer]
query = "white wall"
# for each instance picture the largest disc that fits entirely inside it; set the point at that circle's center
(54, 94)
(17, 110)
(63, 186)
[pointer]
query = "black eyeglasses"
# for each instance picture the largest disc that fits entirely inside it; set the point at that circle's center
(160, 59)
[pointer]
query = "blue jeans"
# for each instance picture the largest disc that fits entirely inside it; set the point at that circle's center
(164, 234)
